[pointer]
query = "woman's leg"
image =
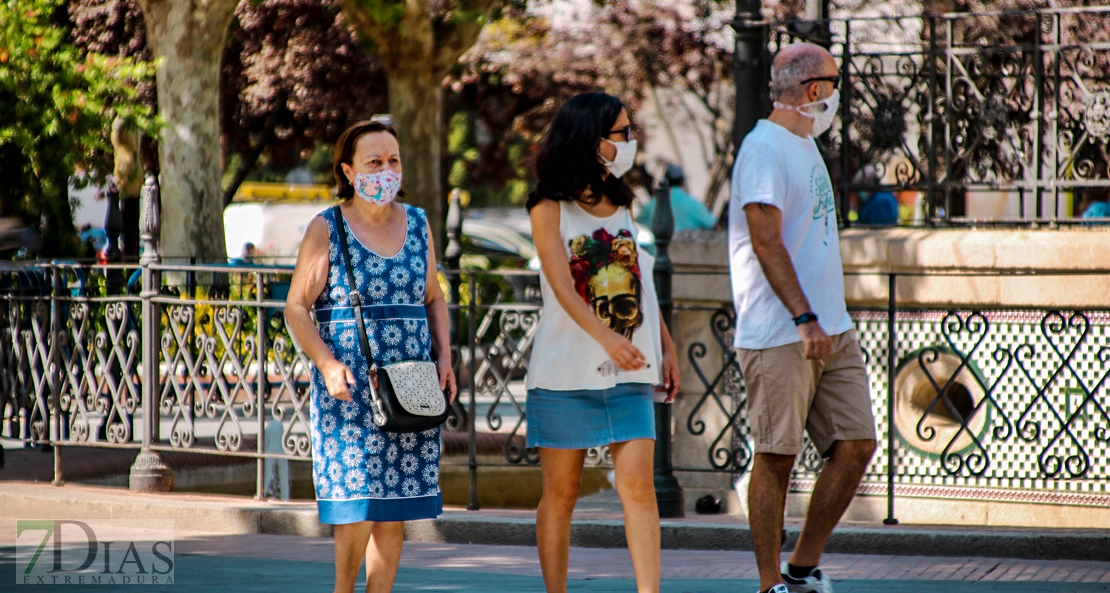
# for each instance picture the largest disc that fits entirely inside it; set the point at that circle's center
(562, 478)
(383, 555)
(350, 545)
(633, 463)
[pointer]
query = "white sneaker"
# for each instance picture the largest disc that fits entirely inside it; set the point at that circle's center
(816, 582)
(777, 589)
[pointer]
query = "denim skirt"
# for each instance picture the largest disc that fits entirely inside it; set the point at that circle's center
(585, 418)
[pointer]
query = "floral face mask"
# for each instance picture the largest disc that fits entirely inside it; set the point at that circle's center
(379, 188)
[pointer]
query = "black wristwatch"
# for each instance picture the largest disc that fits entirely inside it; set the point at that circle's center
(805, 318)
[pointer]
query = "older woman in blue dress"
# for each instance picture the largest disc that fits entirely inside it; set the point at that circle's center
(368, 481)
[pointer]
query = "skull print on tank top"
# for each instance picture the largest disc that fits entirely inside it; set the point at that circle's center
(614, 277)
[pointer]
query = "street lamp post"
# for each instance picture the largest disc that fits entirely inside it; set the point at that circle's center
(463, 416)
(749, 69)
(815, 28)
(668, 493)
(149, 472)
(452, 255)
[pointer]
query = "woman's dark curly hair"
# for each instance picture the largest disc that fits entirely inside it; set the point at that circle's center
(567, 164)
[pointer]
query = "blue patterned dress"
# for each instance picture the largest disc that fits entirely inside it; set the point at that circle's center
(362, 473)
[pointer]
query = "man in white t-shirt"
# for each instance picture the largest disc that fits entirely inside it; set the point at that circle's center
(803, 368)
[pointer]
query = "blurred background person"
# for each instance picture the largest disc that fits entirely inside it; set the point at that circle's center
(689, 213)
(876, 207)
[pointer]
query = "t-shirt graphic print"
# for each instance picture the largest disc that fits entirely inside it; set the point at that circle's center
(821, 187)
(613, 276)
(606, 275)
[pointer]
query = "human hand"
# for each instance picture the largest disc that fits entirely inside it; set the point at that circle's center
(338, 379)
(447, 381)
(817, 344)
(670, 373)
(626, 356)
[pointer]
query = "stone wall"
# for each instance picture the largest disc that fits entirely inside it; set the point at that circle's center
(996, 265)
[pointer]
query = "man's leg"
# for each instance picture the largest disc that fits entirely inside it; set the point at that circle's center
(779, 384)
(841, 423)
(770, 479)
(833, 492)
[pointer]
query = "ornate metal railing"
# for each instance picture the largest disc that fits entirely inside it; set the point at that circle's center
(76, 349)
(986, 403)
(971, 117)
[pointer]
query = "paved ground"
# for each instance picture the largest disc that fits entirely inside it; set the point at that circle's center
(250, 561)
(280, 564)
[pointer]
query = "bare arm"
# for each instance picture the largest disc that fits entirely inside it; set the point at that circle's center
(310, 278)
(439, 323)
(765, 225)
(670, 362)
(556, 268)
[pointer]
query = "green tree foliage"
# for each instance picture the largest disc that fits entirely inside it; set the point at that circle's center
(115, 28)
(293, 78)
(58, 107)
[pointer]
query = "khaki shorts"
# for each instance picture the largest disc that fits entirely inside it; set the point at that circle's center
(788, 394)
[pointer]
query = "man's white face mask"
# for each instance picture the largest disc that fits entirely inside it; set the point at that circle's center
(823, 112)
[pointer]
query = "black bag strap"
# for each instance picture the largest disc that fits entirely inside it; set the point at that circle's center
(354, 296)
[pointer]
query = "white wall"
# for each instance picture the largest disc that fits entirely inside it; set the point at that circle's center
(88, 210)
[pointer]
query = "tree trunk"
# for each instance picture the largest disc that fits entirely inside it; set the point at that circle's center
(416, 103)
(247, 164)
(416, 51)
(188, 37)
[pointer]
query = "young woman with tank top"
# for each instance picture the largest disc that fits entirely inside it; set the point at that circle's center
(601, 350)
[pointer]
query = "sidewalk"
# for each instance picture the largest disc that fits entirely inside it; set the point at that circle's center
(295, 564)
(597, 524)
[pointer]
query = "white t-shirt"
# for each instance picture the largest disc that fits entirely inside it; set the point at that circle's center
(614, 276)
(778, 168)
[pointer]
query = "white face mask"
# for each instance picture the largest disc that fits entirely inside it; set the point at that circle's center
(626, 157)
(823, 116)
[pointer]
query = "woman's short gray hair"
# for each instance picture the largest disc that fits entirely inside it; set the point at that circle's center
(787, 77)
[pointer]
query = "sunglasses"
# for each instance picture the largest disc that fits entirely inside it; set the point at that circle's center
(835, 80)
(625, 132)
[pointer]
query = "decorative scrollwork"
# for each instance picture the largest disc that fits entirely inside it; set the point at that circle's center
(890, 124)
(724, 452)
(1097, 115)
(506, 358)
(597, 456)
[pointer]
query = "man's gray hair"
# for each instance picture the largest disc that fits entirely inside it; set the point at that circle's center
(787, 77)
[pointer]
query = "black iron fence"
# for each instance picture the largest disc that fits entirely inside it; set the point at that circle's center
(985, 403)
(988, 403)
(1009, 404)
(970, 117)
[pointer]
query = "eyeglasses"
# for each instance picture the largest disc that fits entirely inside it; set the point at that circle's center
(625, 131)
(835, 80)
